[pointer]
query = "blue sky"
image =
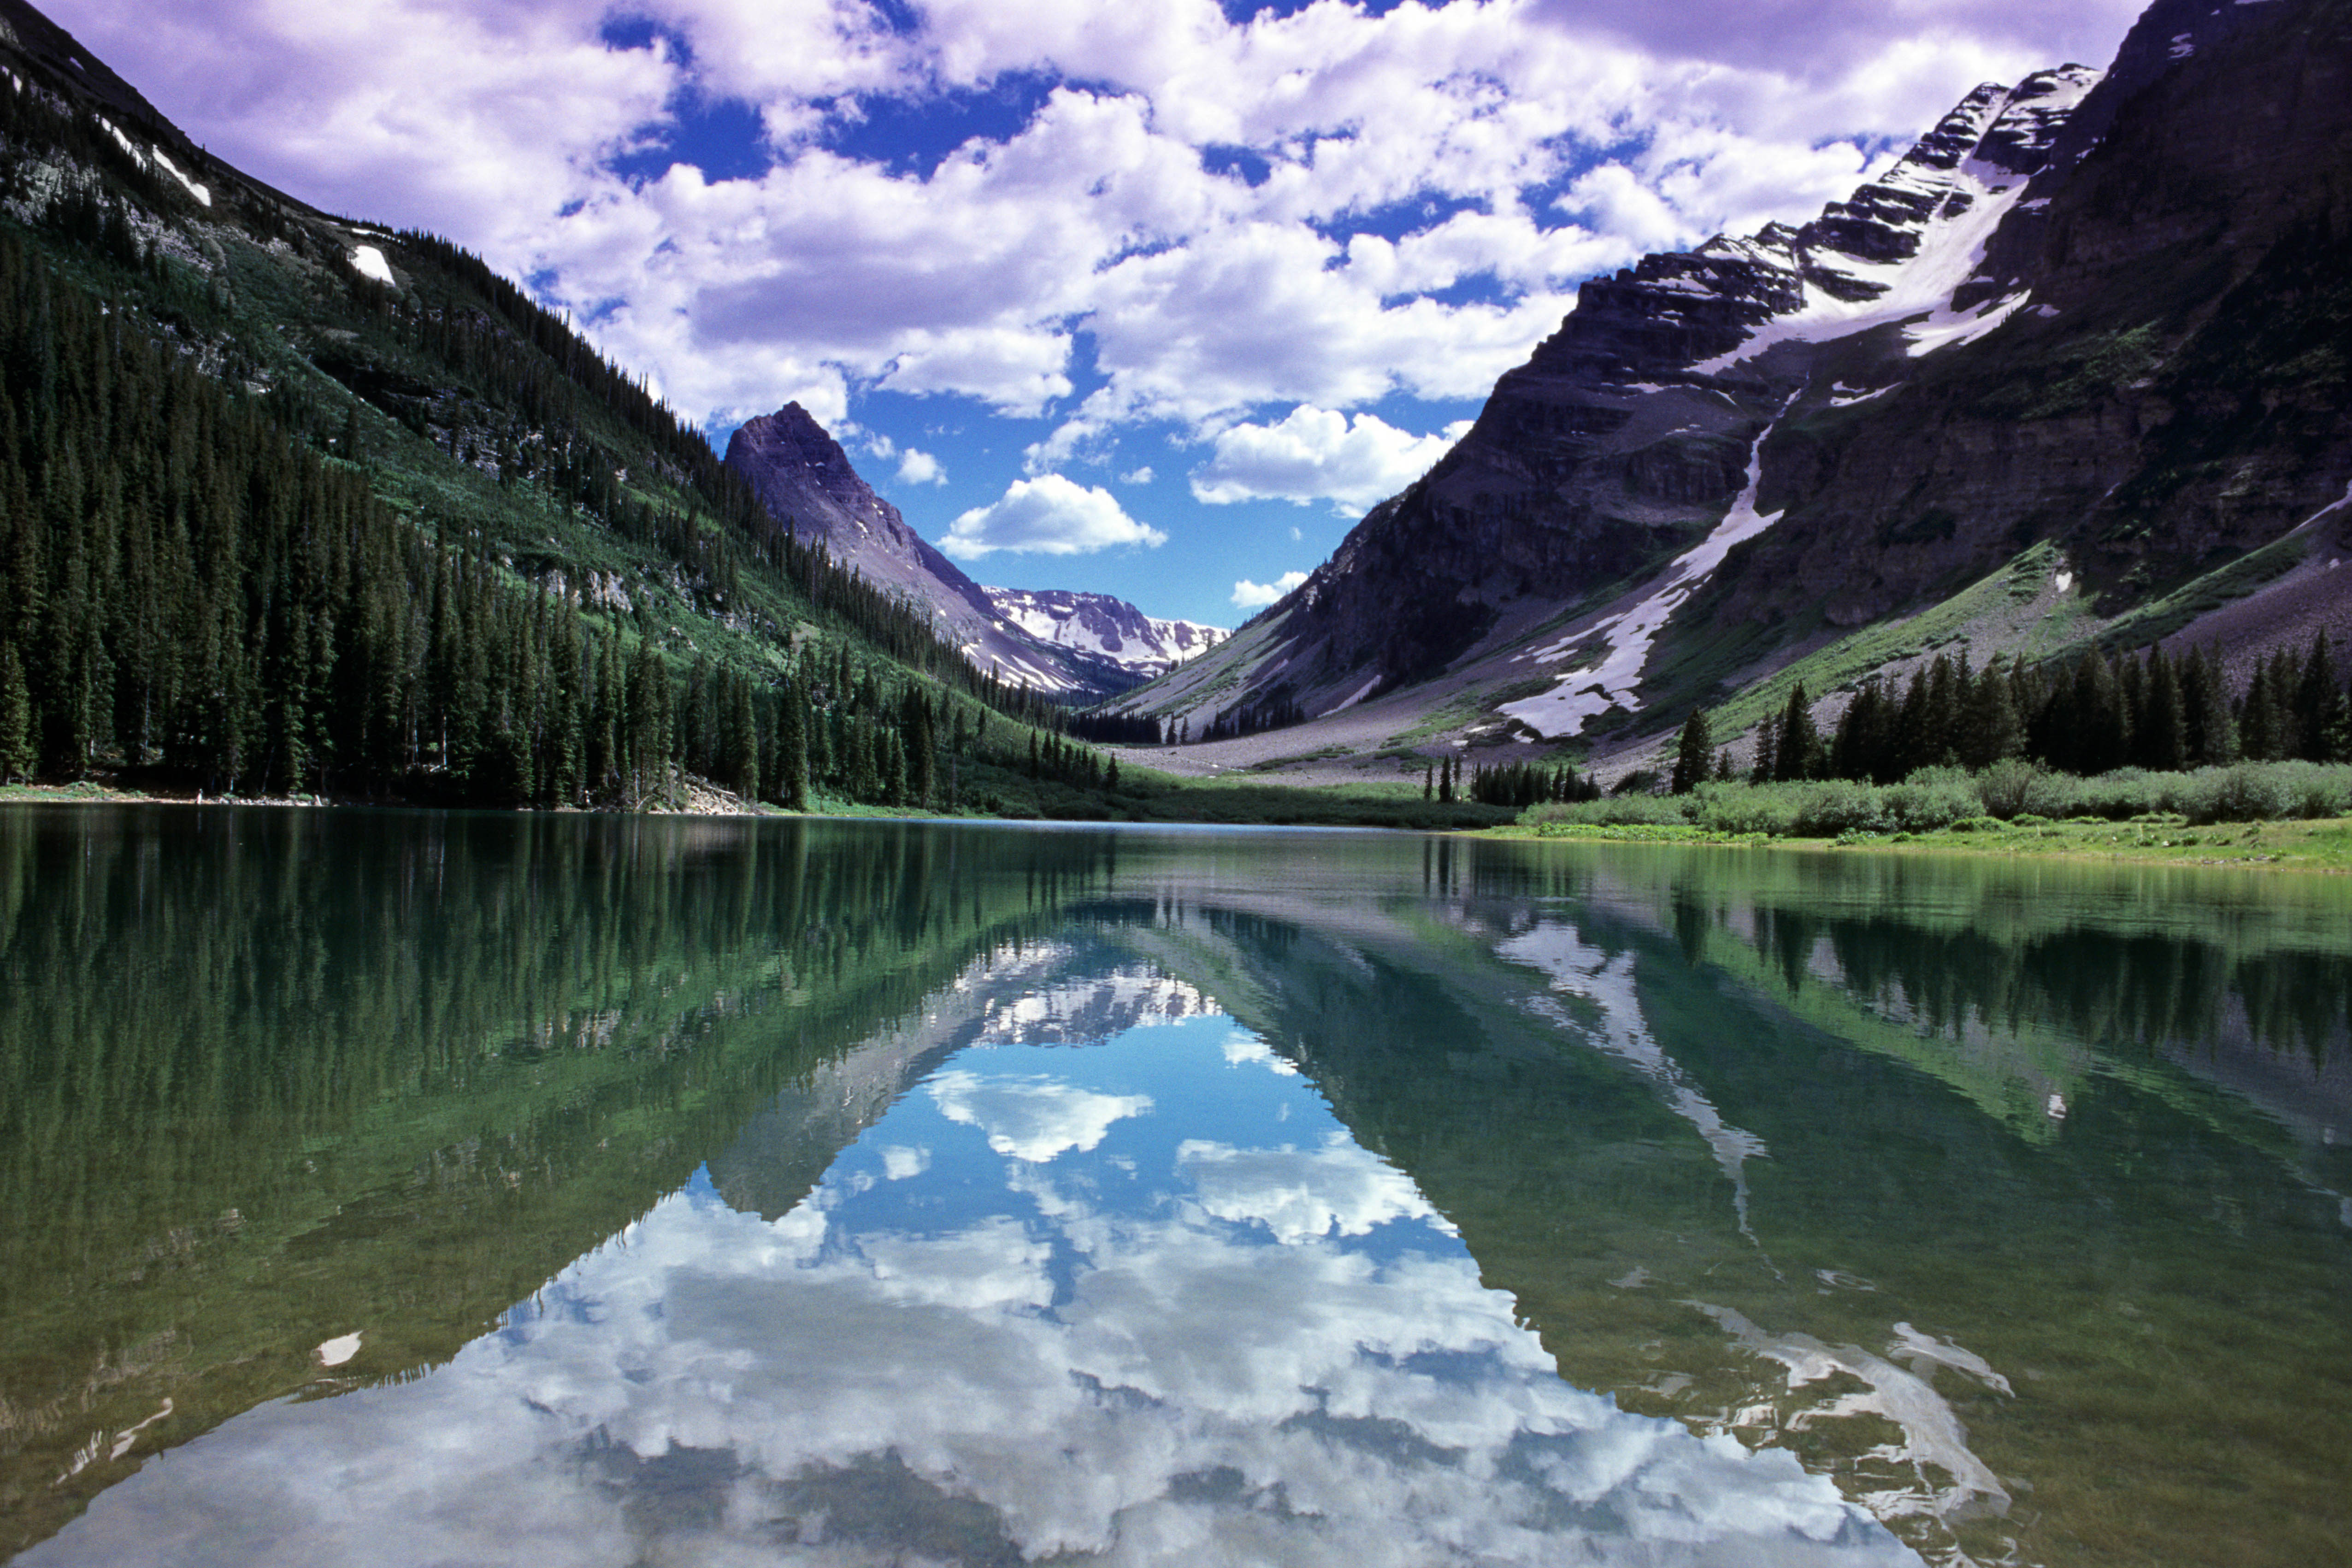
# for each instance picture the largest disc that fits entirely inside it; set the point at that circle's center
(1154, 300)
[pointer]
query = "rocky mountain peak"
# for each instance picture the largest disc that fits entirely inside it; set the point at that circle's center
(1105, 627)
(795, 466)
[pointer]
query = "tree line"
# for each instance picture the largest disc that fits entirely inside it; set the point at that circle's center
(191, 589)
(2162, 712)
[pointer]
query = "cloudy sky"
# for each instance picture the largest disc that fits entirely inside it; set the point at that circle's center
(1149, 298)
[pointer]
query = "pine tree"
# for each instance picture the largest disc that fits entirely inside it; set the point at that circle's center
(794, 749)
(740, 750)
(1767, 762)
(2161, 741)
(1694, 758)
(2318, 704)
(1799, 755)
(17, 756)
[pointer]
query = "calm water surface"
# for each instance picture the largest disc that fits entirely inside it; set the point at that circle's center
(389, 1188)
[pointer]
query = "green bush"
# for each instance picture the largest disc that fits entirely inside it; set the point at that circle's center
(1922, 804)
(1617, 811)
(1833, 807)
(2007, 787)
(2018, 794)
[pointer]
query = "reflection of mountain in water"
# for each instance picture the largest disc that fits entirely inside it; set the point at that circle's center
(406, 1070)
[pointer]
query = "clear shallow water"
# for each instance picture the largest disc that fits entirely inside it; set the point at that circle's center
(398, 1188)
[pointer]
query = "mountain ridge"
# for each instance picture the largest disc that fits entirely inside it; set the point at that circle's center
(1902, 394)
(806, 479)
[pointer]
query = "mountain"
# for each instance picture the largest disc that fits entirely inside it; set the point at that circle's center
(806, 481)
(292, 504)
(2089, 331)
(1103, 627)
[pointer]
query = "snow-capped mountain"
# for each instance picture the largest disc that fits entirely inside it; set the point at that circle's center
(1105, 627)
(2064, 316)
(806, 479)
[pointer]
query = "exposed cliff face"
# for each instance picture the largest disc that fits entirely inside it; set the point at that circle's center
(1103, 627)
(2102, 310)
(805, 479)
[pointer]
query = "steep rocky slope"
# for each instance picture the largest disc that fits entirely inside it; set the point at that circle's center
(807, 482)
(2104, 311)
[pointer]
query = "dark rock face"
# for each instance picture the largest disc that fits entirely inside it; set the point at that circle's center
(806, 481)
(2166, 403)
(2109, 310)
(1622, 438)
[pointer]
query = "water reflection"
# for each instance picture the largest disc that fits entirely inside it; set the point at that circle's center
(875, 1193)
(1025, 1318)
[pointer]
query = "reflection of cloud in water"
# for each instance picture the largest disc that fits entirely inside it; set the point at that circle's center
(1033, 1118)
(723, 1390)
(1300, 1194)
(1556, 949)
(1932, 1433)
(1246, 1050)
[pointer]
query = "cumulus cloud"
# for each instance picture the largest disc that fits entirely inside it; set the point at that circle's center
(1249, 595)
(1141, 475)
(1033, 1120)
(1318, 454)
(1050, 515)
(918, 467)
(1547, 140)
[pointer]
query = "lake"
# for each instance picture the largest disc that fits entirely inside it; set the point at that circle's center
(403, 1188)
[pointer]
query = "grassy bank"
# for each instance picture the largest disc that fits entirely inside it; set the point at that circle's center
(1145, 796)
(2284, 814)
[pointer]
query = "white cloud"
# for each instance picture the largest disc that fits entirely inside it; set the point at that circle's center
(1206, 296)
(1302, 1193)
(1249, 595)
(1033, 1120)
(1050, 515)
(1318, 454)
(1055, 1373)
(917, 468)
(1141, 475)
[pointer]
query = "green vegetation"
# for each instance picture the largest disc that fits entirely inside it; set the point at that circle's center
(270, 526)
(2290, 813)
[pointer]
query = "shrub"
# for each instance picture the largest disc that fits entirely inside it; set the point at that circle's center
(1617, 811)
(1839, 806)
(1745, 808)
(2007, 786)
(1921, 804)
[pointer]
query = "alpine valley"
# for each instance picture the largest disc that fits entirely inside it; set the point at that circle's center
(297, 504)
(2076, 373)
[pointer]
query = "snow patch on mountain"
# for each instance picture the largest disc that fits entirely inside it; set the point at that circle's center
(202, 193)
(1103, 627)
(1611, 680)
(1958, 202)
(369, 262)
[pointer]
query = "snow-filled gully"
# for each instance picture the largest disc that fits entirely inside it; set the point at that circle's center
(1611, 682)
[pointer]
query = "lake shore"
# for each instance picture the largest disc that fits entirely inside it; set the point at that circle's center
(2321, 845)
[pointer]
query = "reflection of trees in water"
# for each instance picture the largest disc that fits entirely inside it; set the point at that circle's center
(266, 1077)
(2097, 987)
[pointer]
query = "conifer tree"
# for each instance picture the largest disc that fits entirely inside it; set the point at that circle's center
(2318, 704)
(793, 748)
(1695, 756)
(17, 756)
(1766, 763)
(1799, 752)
